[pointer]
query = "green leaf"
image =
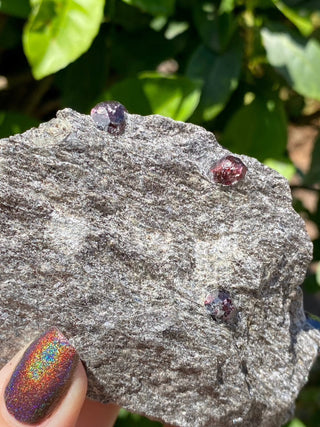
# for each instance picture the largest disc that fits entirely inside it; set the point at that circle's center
(154, 7)
(126, 419)
(175, 28)
(153, 93)
(12, 123)
(215, 29)
(258, 129)
(220, 76)
(284, 167)
(18, 8)
(303, 23)
(298, 61)
(226, 6)
(158, 23)
(59, 31)
(296, 423)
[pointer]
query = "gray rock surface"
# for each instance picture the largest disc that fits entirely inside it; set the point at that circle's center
(117, 240)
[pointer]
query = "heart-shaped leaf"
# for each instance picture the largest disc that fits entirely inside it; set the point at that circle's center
(59, 31)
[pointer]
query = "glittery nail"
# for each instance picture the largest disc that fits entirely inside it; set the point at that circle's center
(41, 378)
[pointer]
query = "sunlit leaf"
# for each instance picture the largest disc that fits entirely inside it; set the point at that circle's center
(158, 23)
(297, 60)
(303, 23)
(285, 168)
(153, 93)
(296, 423)
(175, 28)
(226, 6)
(59, 31)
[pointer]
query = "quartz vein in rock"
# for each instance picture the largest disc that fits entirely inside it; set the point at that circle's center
(118, 239)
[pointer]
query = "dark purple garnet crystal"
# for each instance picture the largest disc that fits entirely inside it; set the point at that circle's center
(110, 116)
(220, 307)
(229, 170)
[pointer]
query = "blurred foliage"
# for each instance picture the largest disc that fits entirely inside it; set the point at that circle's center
(125, 419)
(245, 69)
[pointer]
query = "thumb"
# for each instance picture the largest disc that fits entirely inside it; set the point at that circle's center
(43, 385)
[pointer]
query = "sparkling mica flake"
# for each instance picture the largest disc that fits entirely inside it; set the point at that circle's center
(110, 116)
(41, 378)
(229, 170)
(221, 307)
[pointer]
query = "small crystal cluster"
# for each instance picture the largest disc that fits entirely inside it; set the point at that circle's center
(110, 116)
(229, 170)
(220, 307)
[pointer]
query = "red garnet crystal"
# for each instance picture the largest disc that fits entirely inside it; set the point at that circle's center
(229, 170)
(221, 307)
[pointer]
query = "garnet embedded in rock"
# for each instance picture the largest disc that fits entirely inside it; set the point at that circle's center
(221, 307)
(116, 112)
(126, 236)
(100, 116)
(229, 170)
(110, 116)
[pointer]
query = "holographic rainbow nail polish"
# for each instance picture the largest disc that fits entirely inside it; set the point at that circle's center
(41, 378)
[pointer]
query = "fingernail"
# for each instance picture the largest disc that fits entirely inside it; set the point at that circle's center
(41, 378)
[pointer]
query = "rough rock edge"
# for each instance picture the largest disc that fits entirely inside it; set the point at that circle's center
(299, 320)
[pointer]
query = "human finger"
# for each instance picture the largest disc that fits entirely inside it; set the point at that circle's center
(95, 414)
(44, 385)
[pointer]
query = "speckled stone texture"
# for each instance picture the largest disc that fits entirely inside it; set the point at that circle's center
(118, 240)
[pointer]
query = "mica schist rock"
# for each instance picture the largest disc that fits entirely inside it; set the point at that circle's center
(181, 293)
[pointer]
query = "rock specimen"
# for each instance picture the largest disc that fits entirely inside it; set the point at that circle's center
(125, 242)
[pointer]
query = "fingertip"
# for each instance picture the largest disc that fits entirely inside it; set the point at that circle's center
(67, 414)
(5, 374)
(17, 390)
(95, 414)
